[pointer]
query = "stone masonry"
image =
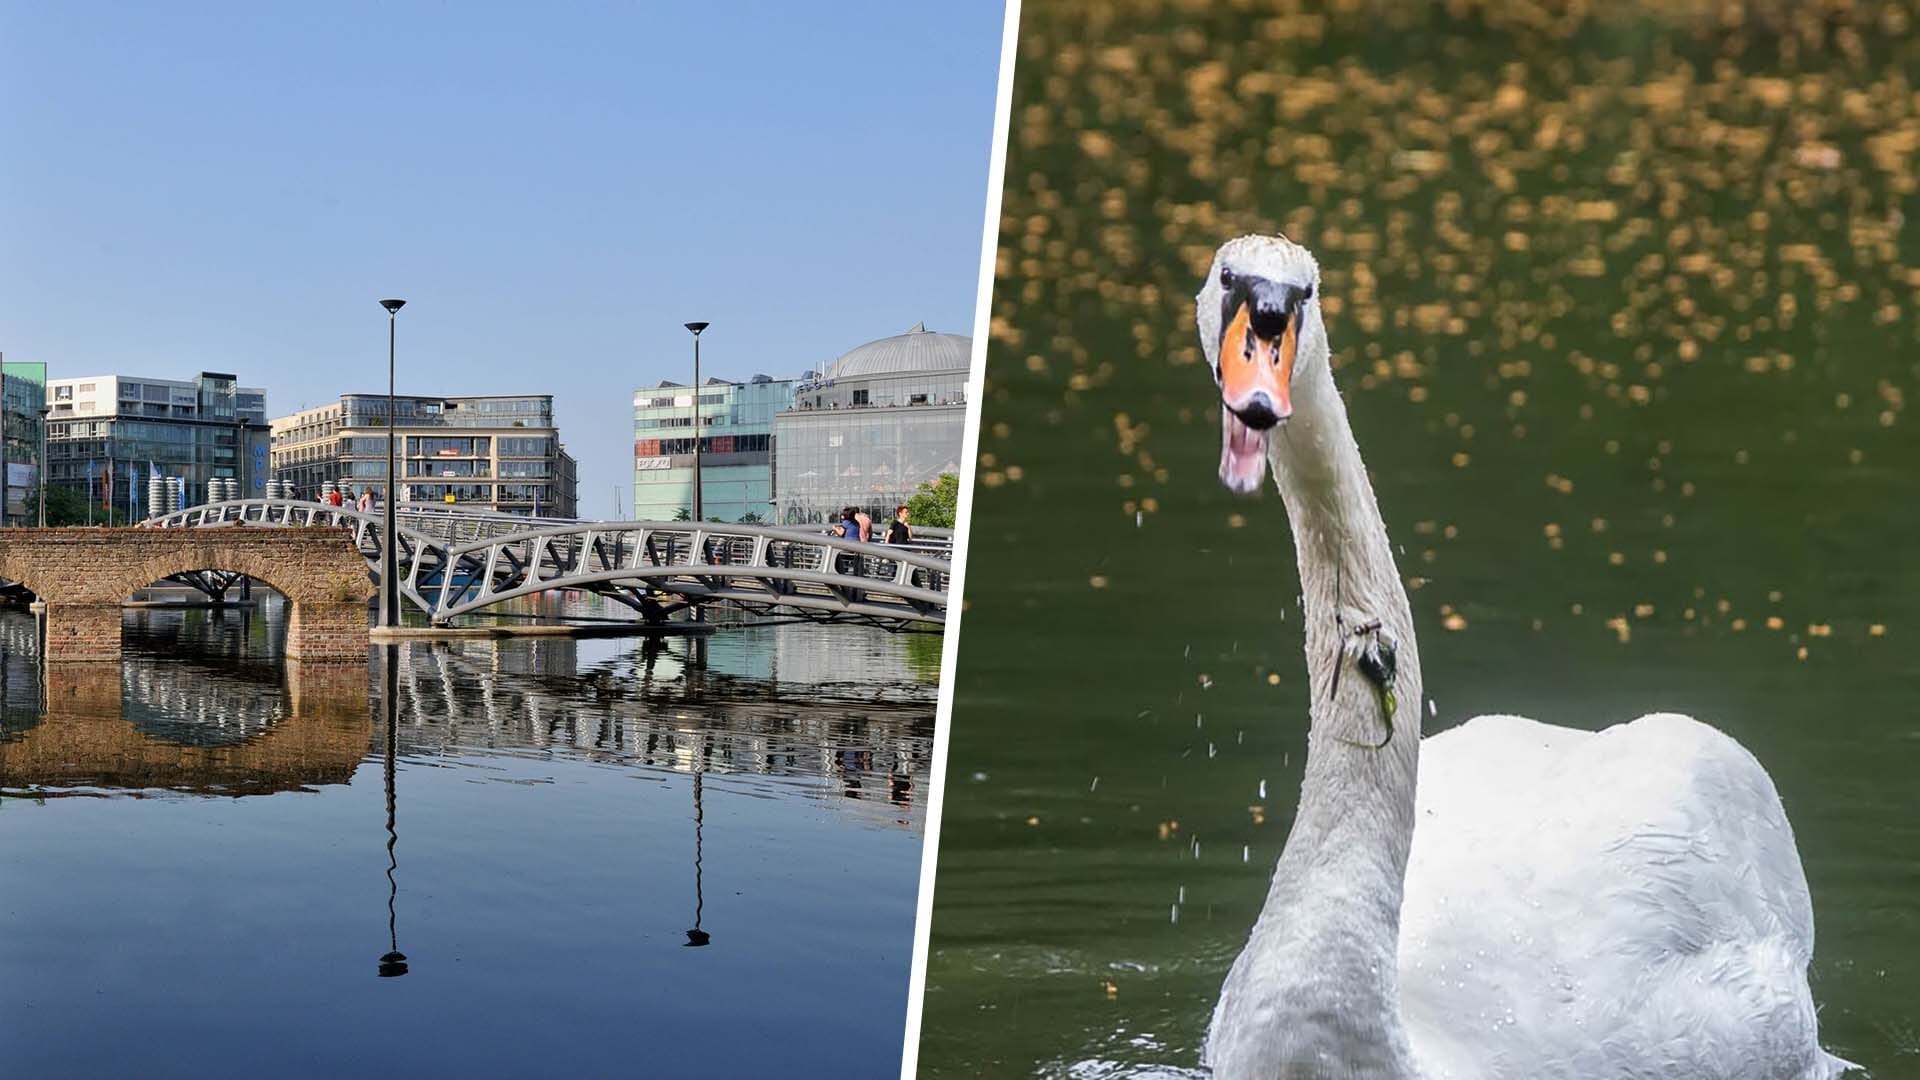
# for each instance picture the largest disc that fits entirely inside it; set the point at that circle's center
(84, 575)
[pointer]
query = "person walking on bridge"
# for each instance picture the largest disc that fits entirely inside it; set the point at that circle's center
(898, 532)
(364, 503)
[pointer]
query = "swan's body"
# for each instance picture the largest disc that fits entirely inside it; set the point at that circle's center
(1620, 904)
(1507, 900)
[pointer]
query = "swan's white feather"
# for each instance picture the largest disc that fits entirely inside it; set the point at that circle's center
(1623, 904)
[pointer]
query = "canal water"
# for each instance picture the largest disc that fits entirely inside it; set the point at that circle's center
(676, 857)
(1628, 335)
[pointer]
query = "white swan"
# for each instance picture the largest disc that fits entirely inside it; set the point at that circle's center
(1549, 903)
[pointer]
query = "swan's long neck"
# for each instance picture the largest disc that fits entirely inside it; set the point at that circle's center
(1328, 936)
(1356, 802)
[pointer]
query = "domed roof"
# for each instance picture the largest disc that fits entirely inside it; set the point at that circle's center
(919, 349)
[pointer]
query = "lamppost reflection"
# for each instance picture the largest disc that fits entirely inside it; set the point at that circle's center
(697, 937)
(394, 963)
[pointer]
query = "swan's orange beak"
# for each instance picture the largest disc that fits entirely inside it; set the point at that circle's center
(1256, 395)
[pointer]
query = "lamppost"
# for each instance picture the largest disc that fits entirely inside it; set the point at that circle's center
(40, 470)
(389, 537)
(696, 327)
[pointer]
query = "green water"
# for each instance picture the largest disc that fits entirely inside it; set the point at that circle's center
(1628, 338)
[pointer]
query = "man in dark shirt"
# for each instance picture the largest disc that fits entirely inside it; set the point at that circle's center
(898, 533)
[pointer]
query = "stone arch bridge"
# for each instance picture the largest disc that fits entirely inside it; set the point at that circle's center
(85, 575)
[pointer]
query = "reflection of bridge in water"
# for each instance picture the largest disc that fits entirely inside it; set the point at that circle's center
(84, 740)
(457, 563)
(469, 694)
(219, 722)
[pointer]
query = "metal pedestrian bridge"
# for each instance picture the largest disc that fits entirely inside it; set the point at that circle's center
(456, 562)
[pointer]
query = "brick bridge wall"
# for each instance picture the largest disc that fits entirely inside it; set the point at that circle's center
(85, 575)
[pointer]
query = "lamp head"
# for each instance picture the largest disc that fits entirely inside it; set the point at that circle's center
(393, 306)
(696, 327)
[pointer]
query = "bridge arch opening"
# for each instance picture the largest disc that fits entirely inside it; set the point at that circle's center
(87, 576)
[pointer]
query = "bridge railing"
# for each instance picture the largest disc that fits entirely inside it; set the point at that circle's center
(457, 562)
(454, 524)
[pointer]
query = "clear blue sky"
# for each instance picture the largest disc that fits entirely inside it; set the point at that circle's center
(554, 189)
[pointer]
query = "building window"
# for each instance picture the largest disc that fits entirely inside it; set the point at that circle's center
(860, 397)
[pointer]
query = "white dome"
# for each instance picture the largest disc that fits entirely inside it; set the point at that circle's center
(919, 349)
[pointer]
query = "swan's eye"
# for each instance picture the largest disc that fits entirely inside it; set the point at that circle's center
(1307, 294)
(1226, 278)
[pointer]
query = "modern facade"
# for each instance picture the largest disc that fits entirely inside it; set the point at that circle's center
(107, 434)
(736, 449)
(500, 452)
(872, 427)
(23, 390)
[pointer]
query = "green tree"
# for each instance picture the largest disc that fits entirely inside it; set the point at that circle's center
(936, 503)
(683, 514)
(751, 518)
(68, 506)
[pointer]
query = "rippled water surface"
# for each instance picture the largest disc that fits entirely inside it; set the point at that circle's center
(606, 857)
(1627, 332)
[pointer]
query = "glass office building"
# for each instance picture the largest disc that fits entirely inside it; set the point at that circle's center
(736, 449)
(870, 429)
(500, 453)
(107, 434)
(23, 390)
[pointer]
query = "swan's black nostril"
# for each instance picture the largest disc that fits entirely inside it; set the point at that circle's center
(1269, 323)
(1271, 305)
(1258, 413)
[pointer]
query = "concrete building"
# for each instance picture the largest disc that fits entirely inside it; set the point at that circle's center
(23, 390)
(872, 427)
(498, 452)
(126, 426)
(736, 452)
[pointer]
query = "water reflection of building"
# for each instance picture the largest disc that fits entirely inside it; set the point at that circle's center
(199, 707)
(673, 715)
(870, 429)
